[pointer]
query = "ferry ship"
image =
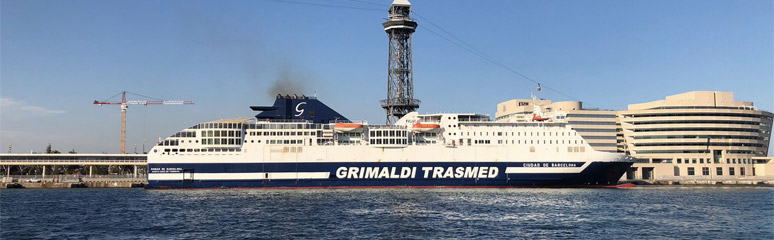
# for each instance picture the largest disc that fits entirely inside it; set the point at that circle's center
(299, 142)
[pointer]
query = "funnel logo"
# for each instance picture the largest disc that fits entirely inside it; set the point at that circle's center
(299, 110)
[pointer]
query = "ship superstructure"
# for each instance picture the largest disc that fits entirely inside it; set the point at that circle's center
(300, 142)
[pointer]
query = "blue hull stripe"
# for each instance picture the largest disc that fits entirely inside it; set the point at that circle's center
(327, 167)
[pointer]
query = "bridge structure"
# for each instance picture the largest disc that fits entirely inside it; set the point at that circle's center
(90, 160)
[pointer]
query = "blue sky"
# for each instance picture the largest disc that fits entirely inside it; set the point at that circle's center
(56, 57)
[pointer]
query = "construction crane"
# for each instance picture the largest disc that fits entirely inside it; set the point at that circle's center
(125, 105)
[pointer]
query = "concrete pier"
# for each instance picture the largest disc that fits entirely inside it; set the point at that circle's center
(701, 182)
(47, 185)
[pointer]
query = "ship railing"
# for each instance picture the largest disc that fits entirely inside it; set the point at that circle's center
(387, 127)
(267, 120)
(364, 122)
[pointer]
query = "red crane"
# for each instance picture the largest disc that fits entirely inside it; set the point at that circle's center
(125, 105)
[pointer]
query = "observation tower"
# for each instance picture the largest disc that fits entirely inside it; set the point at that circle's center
(400, 77)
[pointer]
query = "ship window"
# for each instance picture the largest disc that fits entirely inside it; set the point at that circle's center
(379, 134)
(583, 149)
(371, 134)
(392, 141)
(569, 149)
(531, 149)
(371, 141)
(251, 141)
(217, 133)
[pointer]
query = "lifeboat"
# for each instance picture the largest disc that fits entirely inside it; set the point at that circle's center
(535, 117)
(425, 127)
(348, 127)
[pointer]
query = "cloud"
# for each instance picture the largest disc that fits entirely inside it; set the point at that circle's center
(41, 110)
(10, 105)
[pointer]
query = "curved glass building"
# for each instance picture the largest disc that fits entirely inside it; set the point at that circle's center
(701, 133)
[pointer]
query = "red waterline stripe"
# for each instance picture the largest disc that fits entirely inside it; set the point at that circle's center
(628, 185)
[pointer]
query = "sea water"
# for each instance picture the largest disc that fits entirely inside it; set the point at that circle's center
(668, 212)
